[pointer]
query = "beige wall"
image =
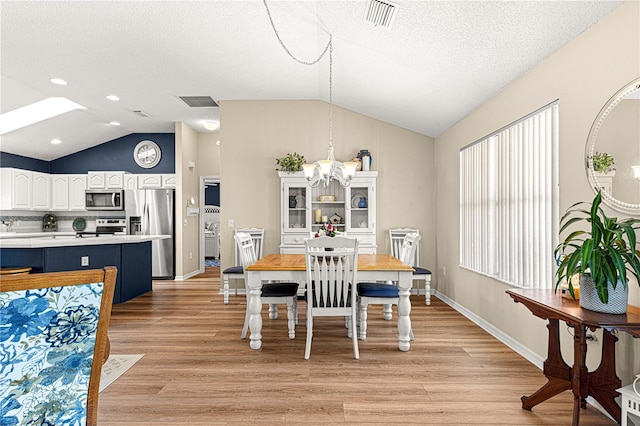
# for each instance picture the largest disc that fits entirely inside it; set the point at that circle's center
(187, 186)
(208, 154)
(254, 133)
(583, 75)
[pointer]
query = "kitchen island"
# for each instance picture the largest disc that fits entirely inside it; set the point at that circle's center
(52, 252)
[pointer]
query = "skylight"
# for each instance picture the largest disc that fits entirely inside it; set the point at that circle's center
(35, 112)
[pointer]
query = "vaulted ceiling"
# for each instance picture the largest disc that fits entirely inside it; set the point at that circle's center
(436, 62)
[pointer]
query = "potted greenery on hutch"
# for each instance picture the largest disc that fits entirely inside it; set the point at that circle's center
(290, 163)
(603, 257)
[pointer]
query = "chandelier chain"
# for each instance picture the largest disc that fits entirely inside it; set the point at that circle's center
(329, 48)
(342, 174)
(326, 48)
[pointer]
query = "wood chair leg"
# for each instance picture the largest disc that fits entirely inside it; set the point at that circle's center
(225, 289)
(291, 320)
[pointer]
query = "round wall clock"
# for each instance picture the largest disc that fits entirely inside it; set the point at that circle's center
(147, 154)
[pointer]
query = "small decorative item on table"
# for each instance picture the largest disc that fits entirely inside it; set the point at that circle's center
(327, 230)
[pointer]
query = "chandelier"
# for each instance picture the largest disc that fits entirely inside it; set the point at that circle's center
(323, 170)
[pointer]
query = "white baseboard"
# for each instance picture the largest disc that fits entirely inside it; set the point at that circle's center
(187, 276)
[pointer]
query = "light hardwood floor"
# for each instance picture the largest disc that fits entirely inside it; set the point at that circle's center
(197, 371)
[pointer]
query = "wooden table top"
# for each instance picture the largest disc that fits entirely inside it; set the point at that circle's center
(296, 262)
(547, 303)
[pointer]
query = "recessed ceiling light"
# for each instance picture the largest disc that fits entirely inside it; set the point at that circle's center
(56, 141)
(35, 112)
(58, 81)
(210, 125)
(114, 123)
(113, 98)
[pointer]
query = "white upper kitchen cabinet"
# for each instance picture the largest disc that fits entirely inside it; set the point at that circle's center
(16, 188)
(105, 180)
(59, 192)
(149, 181)
(130, 182)
(169, 181)
(77, 186)
(41, 191)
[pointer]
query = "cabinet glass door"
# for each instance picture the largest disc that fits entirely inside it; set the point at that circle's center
(296, 206)
(327, 206)
(360, 215)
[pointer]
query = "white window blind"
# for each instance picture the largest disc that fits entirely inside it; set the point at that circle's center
(509, 201)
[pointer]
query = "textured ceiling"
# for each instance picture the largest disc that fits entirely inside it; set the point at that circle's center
(437, 62)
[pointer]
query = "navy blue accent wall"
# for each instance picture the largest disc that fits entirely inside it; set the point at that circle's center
(118, 155)
(24, 163)
(212, 195)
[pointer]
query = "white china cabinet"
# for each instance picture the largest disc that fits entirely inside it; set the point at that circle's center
(304, 210)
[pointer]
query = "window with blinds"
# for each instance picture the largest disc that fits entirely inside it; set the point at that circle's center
(509, 201)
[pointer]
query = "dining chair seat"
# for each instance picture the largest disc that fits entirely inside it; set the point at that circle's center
(417, 270)
(377, 290)
(396, 237)
(280, 290)
(384, 293)
(272, 294)
(236, 272)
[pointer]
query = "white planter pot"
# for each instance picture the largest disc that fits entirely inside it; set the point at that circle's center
(618, 297)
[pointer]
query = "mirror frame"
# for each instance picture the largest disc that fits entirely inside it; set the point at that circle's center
(608, 199)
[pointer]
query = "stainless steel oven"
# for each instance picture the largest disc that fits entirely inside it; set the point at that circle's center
(104, 199)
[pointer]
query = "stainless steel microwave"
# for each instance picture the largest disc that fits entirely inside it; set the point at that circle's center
(104, 199)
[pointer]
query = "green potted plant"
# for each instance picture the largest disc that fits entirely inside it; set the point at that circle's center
(602, 256)
(290, 162)
(603, 162)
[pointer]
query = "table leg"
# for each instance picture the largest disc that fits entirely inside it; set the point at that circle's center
(580, 374)
(255, 306)
(557, 372)
(404, 309)
(604, 381)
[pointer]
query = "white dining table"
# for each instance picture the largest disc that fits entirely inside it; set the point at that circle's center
(292, 267)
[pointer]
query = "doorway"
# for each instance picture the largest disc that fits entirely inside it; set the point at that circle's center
(209, 234)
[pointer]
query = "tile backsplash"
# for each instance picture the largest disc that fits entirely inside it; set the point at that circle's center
(23, 222)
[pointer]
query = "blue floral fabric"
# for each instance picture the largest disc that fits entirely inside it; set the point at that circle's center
(47, 339)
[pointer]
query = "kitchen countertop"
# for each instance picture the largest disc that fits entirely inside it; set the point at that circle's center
(65, 239)
(4, 235)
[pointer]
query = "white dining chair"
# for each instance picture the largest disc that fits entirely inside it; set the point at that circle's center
(236, 272)
(332, 267)
(272, 293)
(396, 236)
(377, 293)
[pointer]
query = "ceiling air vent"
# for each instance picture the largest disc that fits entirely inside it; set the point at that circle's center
(141, 113)
(381, 13)
(199, 101)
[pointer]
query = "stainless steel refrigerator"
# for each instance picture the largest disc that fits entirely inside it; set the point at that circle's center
(151, 212)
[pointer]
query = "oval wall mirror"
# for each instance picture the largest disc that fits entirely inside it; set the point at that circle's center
(612, 155)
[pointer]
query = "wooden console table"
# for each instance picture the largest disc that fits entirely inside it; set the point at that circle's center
(602, 383)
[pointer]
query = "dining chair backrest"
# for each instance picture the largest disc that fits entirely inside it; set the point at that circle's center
(257, 235)
(333, 273)
(396, 239)
(246, 249)
(409, 248)
(332, 269)
(53, 342)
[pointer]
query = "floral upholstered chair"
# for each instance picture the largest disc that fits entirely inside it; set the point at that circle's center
(53, 338)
